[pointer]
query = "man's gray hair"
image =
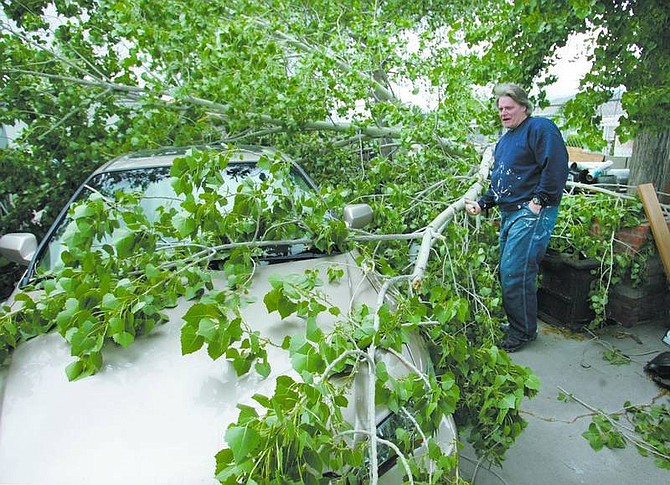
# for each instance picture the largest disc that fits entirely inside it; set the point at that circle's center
(516, 93)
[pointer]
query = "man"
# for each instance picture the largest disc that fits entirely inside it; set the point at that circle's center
(527, 182)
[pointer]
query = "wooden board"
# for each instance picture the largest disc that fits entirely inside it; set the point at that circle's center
(579, 155)
(659, 227)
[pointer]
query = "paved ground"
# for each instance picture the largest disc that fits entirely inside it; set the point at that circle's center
(551, 451)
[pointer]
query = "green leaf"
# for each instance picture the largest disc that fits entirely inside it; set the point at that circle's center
(219, 342)
(313, 332)
(309, 362)
(241, 363)
(594, 437)
(264, 163)
(263, 369)
(507, 402)
(74, 370)
(124, 339)
(249, 413)
(110, 302)
(207, 328)
(64, 319)
(116, 325)
(242, 441)
(533, 382)
(125, 246)
(190, 340)
(184, 225)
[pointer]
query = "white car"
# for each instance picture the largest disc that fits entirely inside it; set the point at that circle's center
(151, 415)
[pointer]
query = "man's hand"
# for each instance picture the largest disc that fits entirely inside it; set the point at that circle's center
(534, 208)
(472, 207)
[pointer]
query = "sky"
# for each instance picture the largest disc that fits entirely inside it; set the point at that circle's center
(570, 67)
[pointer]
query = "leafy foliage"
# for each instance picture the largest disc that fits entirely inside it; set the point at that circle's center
(127, 277)
(650, 433)
(653, 425)
(587, 227)
(647, 430)
(630, 49)
(602, 432)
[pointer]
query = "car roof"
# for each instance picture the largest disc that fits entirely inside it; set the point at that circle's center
(162, 157)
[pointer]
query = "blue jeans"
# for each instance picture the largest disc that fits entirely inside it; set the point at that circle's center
(524, 237)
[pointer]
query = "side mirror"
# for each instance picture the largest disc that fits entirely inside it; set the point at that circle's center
(18, 247)
(357, 216)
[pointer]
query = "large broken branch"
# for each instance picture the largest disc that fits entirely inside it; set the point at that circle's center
(221, 110)
(438, 225)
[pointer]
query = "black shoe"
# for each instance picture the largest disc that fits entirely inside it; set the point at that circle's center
(512, 344)
(505, 327)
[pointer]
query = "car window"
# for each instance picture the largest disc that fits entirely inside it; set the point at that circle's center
(155, 185)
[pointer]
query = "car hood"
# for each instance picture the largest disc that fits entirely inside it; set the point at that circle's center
(151, 415)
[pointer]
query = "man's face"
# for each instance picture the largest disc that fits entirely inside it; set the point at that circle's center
(511, 113)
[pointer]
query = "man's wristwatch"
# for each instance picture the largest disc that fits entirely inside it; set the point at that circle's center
(537, 201)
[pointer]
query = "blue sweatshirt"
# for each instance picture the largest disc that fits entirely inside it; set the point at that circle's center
(530, 160)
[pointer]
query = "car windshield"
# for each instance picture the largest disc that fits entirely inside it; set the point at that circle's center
(155, 185)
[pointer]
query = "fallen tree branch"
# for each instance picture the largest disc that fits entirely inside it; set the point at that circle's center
(221, 110)
(627, 433)
(595, 188)
(660, 395)
(437, 226)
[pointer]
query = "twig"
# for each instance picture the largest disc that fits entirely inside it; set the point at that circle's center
(388, 443)
(410, 366)
(590, 415)
(478, 463)
(605, 344)
(72, 113)
(340, 358)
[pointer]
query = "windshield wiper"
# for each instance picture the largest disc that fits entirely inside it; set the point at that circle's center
(271, 257)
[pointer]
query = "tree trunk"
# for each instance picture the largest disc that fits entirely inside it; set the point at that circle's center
(650, 162)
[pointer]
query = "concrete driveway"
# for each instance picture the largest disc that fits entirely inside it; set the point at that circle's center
(551, 450)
